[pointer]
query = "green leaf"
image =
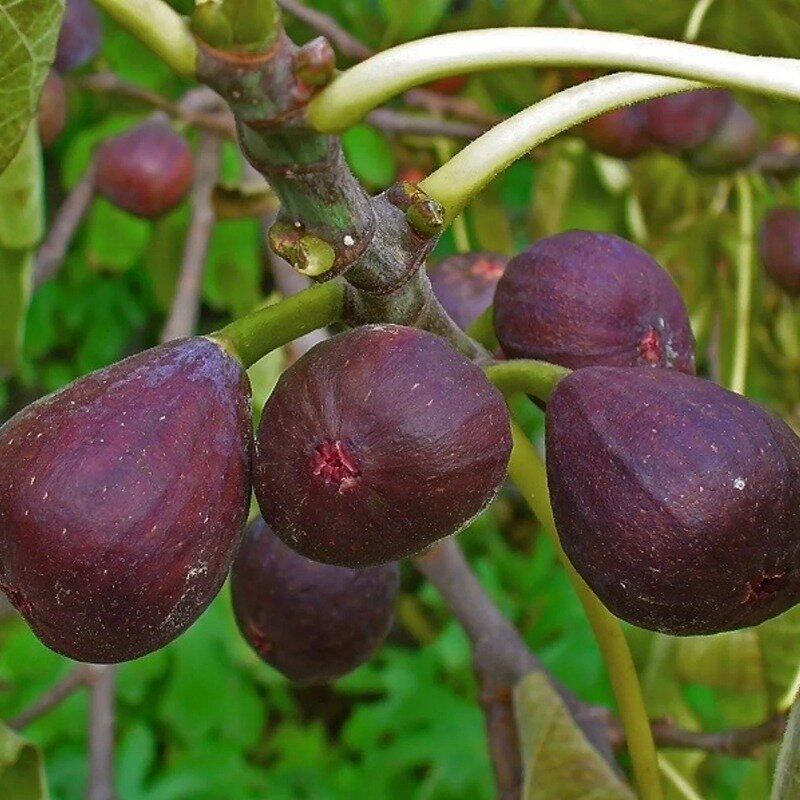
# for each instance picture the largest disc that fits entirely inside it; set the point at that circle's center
(21, 768)
(16, 268)
(408, 20)
(787, 773)
(491, 223)
(21, 206)
(559, 761)
(370, 155)
(28, 34)
(725, 661)
(116, 240)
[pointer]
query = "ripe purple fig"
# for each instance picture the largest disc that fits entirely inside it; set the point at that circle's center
(52, 108)
(313, 622)
(123, 498)
(80, 36)
(621, 133)
(676, 500)
(582, 298)
(780, 247)
(733, 145)
(465, 284)
(147, 170)
(376, 444)
(681, 121)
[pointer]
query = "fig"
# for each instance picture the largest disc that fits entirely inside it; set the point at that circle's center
(678, 122)
(123, 497)
(452, 84)
(733, 145)
(583, 298)
(676, 500)
(377, 443)
(80, 37)
(621, 133)
(465, 284)
(313, 622)
(146, 170)
(52, 108)
(780, 247)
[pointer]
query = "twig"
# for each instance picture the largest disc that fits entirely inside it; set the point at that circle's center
(101, 731)
(343, 41)
(438, 103)
(73, 680)
(54, 248)
(214, 117)
(185, 305)
(398, 122)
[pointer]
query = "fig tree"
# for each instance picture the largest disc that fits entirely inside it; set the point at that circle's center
(780, 247)
(123, 497)
(377, 443)
(313, 622)
(465, 284)
(581, 298)
(146, 170)
(676, 500)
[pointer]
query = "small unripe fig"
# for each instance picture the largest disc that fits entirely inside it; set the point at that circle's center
(681, 121)
(80, 36)
(733, 145)
(780, 247)
(621, 133)
(313, 622)
(676, 500)
(582, 298)
(147, 170)
(52, 108)
(377, 443)
(465, 284)
(123, 497)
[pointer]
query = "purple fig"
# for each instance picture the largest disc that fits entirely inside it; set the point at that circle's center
(582, 298)
(621, 133)
(676, 500)
(52, 108)
(733, 145)
(376, 444)
(147, 170)
(682, 121)
(465, 284)
(80, 37)
(313, 622)
(780, 247)
(123, 497)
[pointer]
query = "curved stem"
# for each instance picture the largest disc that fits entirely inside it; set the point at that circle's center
(268, 328)
(696, 18)
(744, 283)
(527, 471)
(376, 80)
(538, 378)
(155, 24)
(470, 170)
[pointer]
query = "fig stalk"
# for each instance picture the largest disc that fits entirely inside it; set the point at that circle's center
(537, 378)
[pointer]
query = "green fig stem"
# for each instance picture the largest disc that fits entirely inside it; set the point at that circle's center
(370, 84)
(466, 174)
(527, 471)
(744, 282)
(156, 25)
(538, 378)
(482, 330)
(696, 19)
(255, 335)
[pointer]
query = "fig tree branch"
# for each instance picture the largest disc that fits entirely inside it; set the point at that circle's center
(744, 281)
(101, 679)
(344, 42)
(182, 319)
(59, 691)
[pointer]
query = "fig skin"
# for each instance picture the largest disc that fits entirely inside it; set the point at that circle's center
(780, 247)
(621, 133)
(676, 500)
(583, 298)
(123, 498)
(313, 622)
(377, 443)
(52, 109)
(465, 284)
(80, 37)
(733, 145)
(146, 170)
(679, 122)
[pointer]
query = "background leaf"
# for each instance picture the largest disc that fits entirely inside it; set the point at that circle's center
(21, 770)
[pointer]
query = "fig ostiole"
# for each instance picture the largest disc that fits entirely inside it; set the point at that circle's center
(676, 500)
(123, 497)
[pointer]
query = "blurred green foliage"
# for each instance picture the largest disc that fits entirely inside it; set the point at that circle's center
(203, 718)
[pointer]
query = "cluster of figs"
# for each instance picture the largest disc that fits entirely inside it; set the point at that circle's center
(124, 496)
